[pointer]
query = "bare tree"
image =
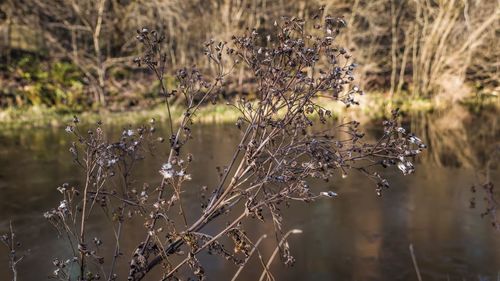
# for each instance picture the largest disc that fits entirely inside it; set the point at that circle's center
(79, 31)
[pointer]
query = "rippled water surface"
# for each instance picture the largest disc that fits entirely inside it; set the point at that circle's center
(357, 236)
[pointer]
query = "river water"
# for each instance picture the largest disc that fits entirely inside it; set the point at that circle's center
(356, 236)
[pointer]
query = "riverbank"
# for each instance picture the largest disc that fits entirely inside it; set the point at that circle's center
(372, 107)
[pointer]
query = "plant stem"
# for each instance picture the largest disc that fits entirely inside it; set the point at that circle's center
(415, 265)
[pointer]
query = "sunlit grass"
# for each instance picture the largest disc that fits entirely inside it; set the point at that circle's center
(373, 106)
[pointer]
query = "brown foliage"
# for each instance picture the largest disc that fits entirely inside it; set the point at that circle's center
(422, 47)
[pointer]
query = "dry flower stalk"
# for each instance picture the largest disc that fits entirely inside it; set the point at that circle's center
(279, 152)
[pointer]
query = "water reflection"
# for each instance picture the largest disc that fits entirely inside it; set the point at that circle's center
(357, 236)
(459, 138)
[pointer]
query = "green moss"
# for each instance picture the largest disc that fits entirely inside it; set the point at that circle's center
(56, 84)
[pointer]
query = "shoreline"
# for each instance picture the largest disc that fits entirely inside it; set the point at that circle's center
(372, 107)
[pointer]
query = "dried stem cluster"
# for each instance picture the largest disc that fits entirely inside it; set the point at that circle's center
(279, 152)
(9, 240)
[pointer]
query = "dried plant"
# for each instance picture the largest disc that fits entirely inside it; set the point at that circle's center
(287, 139)
(9, 240)
(491, 202)
(485, 188)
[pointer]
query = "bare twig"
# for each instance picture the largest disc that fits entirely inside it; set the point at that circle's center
(415, 265)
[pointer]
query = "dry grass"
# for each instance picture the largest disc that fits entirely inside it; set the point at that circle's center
(445, 49)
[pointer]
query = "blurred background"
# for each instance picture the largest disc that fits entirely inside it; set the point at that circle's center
(76, 55)
(438, 60)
